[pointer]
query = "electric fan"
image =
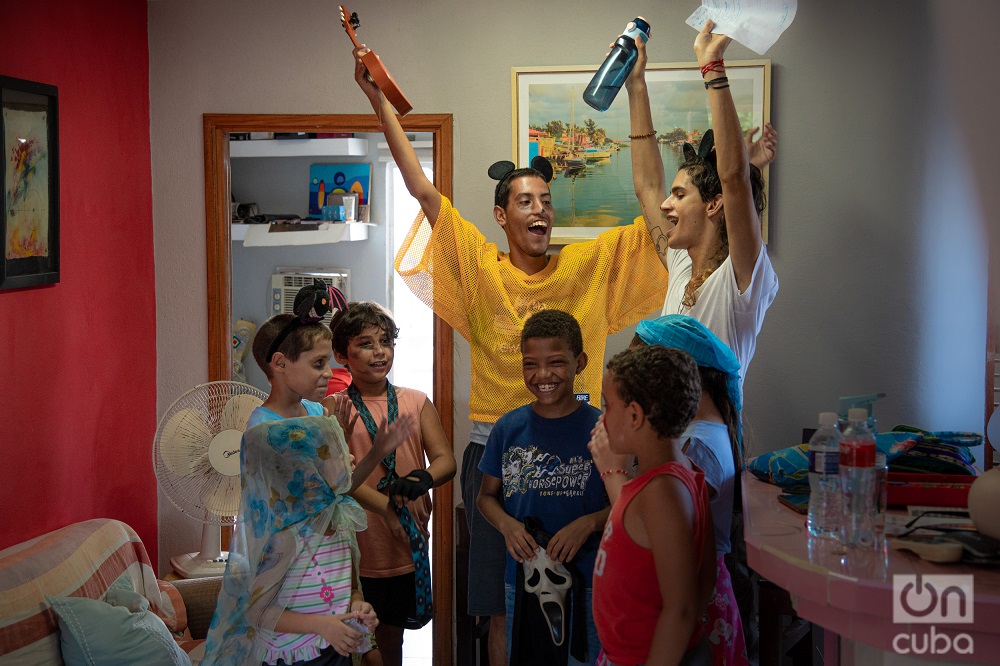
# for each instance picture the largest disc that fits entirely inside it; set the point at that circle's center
(196, 459)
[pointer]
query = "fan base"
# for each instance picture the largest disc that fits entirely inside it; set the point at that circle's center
(192, 565)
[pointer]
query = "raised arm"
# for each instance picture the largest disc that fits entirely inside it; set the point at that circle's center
(647, 166)
(763, 150)
(742, 223)
(417, 183)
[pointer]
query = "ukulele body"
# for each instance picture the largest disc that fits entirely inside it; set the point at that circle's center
(383, 79)
(376, 70)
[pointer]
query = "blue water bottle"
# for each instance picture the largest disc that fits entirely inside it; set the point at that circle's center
(609, 78)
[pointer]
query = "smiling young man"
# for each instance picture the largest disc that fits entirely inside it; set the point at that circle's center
(486, 295)
(707, 227)
(536, 464)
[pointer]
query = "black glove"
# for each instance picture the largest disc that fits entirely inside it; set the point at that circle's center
(413, 485)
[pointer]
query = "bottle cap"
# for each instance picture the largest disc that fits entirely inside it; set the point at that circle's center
(828, 418)
(857, 414)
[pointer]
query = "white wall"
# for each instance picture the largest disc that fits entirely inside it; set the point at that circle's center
(280, 185)
(878, 243)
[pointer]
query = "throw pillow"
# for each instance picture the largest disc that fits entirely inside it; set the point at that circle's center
(121, 631)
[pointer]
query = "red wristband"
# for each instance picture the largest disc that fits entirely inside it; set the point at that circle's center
(714, 66)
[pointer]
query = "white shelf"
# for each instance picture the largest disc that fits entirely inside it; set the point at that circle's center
(327, 233)
(299, 148)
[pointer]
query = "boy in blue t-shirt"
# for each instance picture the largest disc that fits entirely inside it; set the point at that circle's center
(537, 464)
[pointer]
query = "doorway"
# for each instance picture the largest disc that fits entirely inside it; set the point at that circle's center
(218, 237)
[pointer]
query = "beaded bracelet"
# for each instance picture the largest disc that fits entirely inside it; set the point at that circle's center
(613, 471)
(650, 133)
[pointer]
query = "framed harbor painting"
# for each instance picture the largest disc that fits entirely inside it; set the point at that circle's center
(592, 187)
(29, 221)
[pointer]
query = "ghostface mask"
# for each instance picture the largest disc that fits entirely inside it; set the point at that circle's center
(549, 581)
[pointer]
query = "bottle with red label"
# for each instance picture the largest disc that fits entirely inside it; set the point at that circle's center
(857, 480)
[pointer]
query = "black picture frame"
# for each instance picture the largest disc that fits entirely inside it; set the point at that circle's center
(29, 172)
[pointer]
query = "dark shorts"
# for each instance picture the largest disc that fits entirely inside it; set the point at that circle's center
(394, 598)
(487, 548)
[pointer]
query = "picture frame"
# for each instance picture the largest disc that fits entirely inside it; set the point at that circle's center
(326, 180)
(29, 171)
(592, 187)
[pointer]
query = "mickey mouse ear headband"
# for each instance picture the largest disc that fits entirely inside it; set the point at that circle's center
(500, 171)
(705, 152)
(312, 303)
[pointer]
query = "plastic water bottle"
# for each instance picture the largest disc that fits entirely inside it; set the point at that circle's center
(825, 506)
(609, 78)
(857, 480)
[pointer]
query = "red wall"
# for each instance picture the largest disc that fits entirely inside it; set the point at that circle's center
(78, 358)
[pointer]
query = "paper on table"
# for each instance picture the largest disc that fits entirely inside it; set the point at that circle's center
(756, 24)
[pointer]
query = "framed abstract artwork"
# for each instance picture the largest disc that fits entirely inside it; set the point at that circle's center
(29, 221)
(329, 179)
(592, 188)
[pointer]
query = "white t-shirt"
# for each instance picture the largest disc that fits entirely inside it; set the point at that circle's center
(710, 449)
(736, 318)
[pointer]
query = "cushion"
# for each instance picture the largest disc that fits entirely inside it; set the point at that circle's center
(121, 630)
(84, 559)
(789, 468)
(172, 610)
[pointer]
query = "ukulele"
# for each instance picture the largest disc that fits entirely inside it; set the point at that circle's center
(380, 75)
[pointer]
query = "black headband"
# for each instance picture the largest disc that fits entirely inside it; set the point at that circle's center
(501, 171)
(311, 304)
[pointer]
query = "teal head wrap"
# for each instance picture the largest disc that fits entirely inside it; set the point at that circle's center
(690, 335)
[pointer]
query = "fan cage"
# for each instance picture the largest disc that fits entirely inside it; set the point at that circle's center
(180, 449)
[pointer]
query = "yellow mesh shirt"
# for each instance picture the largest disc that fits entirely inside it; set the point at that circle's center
(607, 284)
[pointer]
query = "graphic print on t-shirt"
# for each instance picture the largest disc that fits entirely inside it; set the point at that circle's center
(529, 468)
(508, 329)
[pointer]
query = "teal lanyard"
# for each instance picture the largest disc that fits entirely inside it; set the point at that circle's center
(418, 544)
(359, 404)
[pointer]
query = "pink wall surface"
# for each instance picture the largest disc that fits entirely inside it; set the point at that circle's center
(78, 358)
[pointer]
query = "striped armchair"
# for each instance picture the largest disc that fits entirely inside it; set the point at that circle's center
(87, 559)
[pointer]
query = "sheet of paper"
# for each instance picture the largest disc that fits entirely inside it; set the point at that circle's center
(756, 24)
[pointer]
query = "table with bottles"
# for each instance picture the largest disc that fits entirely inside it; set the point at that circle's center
(849, 592)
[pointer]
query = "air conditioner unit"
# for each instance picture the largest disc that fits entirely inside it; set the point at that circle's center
(286, 282)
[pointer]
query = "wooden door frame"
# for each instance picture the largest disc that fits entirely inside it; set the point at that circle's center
(218, 248)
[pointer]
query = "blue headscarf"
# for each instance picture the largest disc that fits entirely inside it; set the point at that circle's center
(690, 335)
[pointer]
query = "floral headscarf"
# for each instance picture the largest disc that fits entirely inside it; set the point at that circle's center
(296, 473)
